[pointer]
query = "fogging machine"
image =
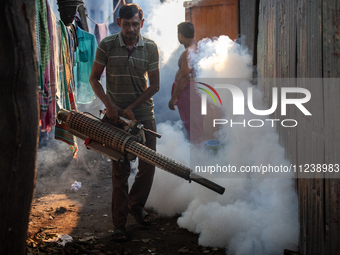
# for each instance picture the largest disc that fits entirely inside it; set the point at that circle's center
(102, 136)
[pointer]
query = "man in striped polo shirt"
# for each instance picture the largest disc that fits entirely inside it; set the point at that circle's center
(129, 58)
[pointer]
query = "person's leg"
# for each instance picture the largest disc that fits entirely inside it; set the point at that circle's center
(143, 181)
(120, 199)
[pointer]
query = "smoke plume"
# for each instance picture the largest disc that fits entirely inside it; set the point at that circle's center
(255, 215)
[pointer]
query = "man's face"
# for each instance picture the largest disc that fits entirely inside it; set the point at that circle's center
(130, 28)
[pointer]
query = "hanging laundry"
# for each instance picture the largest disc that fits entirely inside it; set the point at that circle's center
(69, 79)
(54, 63)
(78, 20)
(84, 59)
(45, 95)
(60, 72)
(42, 40)
(45, 100)
(100, 32)
(67, 92)
(55, 46)
(72, 42)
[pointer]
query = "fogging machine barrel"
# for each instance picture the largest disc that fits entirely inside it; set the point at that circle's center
(121, 142)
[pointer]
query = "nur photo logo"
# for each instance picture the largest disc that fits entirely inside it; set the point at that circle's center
(294, 96)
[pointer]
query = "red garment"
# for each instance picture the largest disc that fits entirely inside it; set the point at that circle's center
(189, 107)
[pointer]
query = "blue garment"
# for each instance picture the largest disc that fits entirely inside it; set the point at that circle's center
(78, 20)
(84, 59)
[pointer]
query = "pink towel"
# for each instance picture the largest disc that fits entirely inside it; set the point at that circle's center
(100, 32)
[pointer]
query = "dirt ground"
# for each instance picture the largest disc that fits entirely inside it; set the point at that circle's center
(85, 215)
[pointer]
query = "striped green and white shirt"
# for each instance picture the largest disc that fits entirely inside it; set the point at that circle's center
(126, 77)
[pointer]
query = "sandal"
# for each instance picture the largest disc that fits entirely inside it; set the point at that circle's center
(120, 235)
(141, 216)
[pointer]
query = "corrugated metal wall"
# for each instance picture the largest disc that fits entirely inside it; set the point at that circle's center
(301, 39)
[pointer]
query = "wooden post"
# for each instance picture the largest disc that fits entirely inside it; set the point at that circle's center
(19, 126)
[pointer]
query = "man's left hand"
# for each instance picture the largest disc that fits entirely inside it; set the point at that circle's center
(127, 113)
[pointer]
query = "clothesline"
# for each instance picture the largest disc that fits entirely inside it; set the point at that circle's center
(107, 17)
(91, 19)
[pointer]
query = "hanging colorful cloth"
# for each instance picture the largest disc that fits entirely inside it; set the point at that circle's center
(55, 63)
(45, 96)
(43, 57)
(78, 20)
(69, 80)
(67, 92)
(42, 39)
(72, 42)
(84, 59)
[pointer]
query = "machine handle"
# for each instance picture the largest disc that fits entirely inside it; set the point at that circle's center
(140, 126)
(152, 133)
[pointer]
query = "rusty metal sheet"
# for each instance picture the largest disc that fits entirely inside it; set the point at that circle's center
(213, 18)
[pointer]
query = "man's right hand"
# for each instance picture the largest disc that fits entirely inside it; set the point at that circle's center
(113, 112)
(172, 103)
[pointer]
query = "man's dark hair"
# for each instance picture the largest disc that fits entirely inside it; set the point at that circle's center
(127, 11)
(186, 29)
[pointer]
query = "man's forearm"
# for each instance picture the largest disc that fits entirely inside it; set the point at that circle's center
(149, 92)
(99, 91)
(146, 95)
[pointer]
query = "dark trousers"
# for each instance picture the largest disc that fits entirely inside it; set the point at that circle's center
(136, 198)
